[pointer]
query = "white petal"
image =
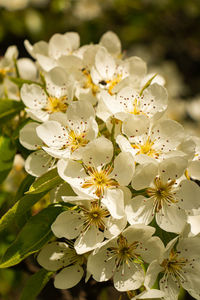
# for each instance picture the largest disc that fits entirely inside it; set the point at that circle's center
(113, 227)
(111, 42)
(155, 98)
(59, 45)
(33, 96)
(194, 169)
(167, 135)
(123, 168)
(53, 134)
(125, 145)
(151, 249)
(144, 176)
(150, 294)
(74, 39)
(172, 168)
(114, 201)
(139, 210)
(188, 194)
(71, 171)
(46, 63)
(27, 68)
(189, 247)
(138, 232)
(135, 125)
(170, 288)
(104, 63)
(152, 272)
(68, 277)
(80, 110)
(171, 218)
(38, 163)
(194, 222)
(100, 267)
(98, 152)
(128, 277)
(28, 136)
(68, 224)
(51, 256)
(88, 240)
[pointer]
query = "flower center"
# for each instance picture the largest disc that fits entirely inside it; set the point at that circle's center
(95, 215)
(124, 253)
(146, 148)
(173, 265)
(162, 193)
(76, 140)
(56, 104)
(89, 83)
(112, 83)
(100, 179)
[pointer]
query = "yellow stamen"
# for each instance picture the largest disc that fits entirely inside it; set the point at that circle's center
(89, 83)
(100, 180)
(162, 192)
(76, 141)
(56, 104)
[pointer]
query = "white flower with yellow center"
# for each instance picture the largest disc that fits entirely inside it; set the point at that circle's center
(40, 103)
(89, 224)
(47, 54)
(61, 256)
(111, 75)
(180, 266)
(148, 143)
(166, 195)
(121, 258)
(67, 135)
(152, 103)
(98, 177)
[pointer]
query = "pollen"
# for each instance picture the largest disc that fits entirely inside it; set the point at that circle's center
(112, 83)
(173, 265)
(124, 253)
(56, 104)
(100, 179)
(146, 148)
(95, 216)
(89, 83)
(76, 141)
(162, 193)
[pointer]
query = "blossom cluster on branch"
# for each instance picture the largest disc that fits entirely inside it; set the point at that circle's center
(129, 172)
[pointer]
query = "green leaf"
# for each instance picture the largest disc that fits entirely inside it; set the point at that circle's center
(7, 153)
(16, 215)
(147, 84)
(24, 186)
(45, 182)
(9, 108)
(35, 284)
(35, 234)
(19, 81)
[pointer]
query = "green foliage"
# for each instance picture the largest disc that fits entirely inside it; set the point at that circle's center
(9, 108)
(7, 153)
(45, 182)
(35, 284)
(36, 233)
(16, 215)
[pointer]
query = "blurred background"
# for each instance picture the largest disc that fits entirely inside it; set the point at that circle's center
(165, 33)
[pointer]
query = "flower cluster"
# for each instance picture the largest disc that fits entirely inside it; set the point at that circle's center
(100, 120)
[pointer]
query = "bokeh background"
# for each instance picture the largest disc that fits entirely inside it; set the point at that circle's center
(165, 33)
